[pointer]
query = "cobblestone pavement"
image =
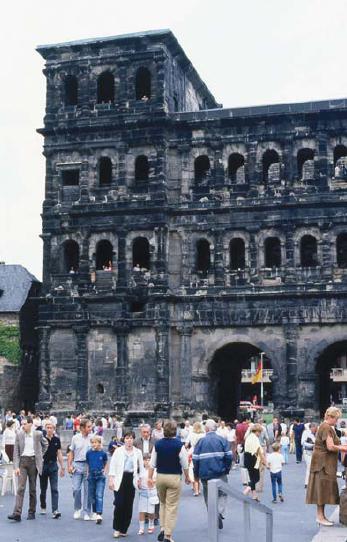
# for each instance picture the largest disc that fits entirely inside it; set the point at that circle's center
(293, 520)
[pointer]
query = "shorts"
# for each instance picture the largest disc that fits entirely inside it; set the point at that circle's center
(145, 506)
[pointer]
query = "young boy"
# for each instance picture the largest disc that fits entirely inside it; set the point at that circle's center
(96, 470)
(148, 499)
(276, 461)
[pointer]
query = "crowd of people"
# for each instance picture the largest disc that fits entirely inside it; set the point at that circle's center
(154, 462)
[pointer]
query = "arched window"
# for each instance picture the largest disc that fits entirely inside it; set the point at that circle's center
(104, 256)
(100, 388)
(341, 249)
(340, 151)
(271, 161)
(105, 171)
(141, 254)
(105, 88)
(141, 169)
(236, 170)
(70, 90)
(143, 84)
(305, 163)
(272, 252)
(201, 168)
(237, 254)
(203, 255)
(71, 257)
(308, 251)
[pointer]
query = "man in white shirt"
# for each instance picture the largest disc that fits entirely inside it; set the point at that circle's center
(77, 467)
(307, 441)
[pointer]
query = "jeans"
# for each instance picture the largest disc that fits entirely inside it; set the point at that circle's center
(79, 481)
(276, 477)
(298, 449)
(222, 497)
(49, 472)
(96, 488)
(284, 452)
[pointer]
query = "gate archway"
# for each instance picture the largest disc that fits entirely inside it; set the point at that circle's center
(230, 378)
(332, 375)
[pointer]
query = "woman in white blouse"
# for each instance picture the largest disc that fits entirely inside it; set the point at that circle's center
(8, 438)
(125, 468)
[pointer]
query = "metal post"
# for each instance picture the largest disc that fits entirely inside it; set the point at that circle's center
(247, 521)
(269, 527)
(212, 510)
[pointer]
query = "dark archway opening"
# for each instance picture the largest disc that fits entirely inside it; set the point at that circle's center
(341, 250)
(71, 257)
(332, 375)
(141, 169)
(305, 159)
(141, 253)
(70, 90)
(104, 256)
(237, 254)
(201, 169)
(271, 165)
(105, 171)
(143, 84)
(230, 379)
(272, 252)
(236, 164)
(340, 151)
(308, 251)
(105, 92)
(203, 255)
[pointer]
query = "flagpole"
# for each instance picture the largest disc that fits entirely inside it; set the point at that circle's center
(261, 380)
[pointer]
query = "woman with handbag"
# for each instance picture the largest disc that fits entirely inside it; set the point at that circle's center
(253, 455)
(125, 468)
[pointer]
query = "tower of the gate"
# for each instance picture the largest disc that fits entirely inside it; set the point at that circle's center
(181, 239)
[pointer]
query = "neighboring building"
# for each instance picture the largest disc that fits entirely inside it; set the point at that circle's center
(19, 293)
(182, 239)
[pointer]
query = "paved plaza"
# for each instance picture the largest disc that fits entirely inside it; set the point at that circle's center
(293, 520)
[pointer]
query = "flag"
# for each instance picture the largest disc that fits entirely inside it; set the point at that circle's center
(258, 374)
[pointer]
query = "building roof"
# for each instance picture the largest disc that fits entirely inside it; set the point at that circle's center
(156, 36)
(15, 284)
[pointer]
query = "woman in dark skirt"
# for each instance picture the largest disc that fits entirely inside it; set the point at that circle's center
(125, 468)
(322, 485)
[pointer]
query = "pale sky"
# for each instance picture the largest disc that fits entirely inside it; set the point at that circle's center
(248, 52)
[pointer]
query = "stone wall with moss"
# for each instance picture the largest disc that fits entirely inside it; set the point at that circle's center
(10, 339)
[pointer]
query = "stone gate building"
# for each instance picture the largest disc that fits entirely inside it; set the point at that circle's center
(182, 239)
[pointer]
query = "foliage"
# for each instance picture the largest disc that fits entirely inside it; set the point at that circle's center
(10, 343)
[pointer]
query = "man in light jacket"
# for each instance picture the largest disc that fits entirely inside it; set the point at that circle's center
(29, 448)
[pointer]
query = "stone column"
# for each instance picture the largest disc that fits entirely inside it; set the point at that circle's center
(253, 254)
(46, 276)
(51, 99)
(290, 248)
(84, 263)
(327, 268)
(218, 167)
(84, 178)
(163, 369)
(122, 278)
(287, 173)
(44, 368)
(291, 334)
(219, 260)
(186, 332)
(82, 395)
(321, 164)
(252, 175)
(83, 91)
(121, 370)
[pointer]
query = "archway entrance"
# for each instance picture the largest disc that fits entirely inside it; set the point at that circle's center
(332, 375)
(230, 378)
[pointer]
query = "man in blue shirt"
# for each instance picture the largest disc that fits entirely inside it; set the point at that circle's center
(50, 470)
(298, 429)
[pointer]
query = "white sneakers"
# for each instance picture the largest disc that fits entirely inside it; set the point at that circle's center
(94, 516)
(86, 517)
(43, 511)
(116, 534)
(77, 514)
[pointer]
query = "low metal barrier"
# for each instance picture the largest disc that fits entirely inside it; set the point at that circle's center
(213, 488)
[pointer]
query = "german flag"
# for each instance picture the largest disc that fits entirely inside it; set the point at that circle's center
(258, 374)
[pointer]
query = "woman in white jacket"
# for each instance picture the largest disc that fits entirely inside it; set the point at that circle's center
(125, 468)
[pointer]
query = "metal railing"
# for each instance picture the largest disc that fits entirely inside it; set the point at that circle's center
(213, 488)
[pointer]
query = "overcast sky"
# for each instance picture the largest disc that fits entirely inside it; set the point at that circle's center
(247, 51)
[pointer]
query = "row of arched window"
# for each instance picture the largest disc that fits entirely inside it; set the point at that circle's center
(272, 253)
(270, 164)
(106, 87)
(71, 177)
(104, 255)
(237, 253)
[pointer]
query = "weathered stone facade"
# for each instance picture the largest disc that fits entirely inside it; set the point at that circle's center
(236, 219)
